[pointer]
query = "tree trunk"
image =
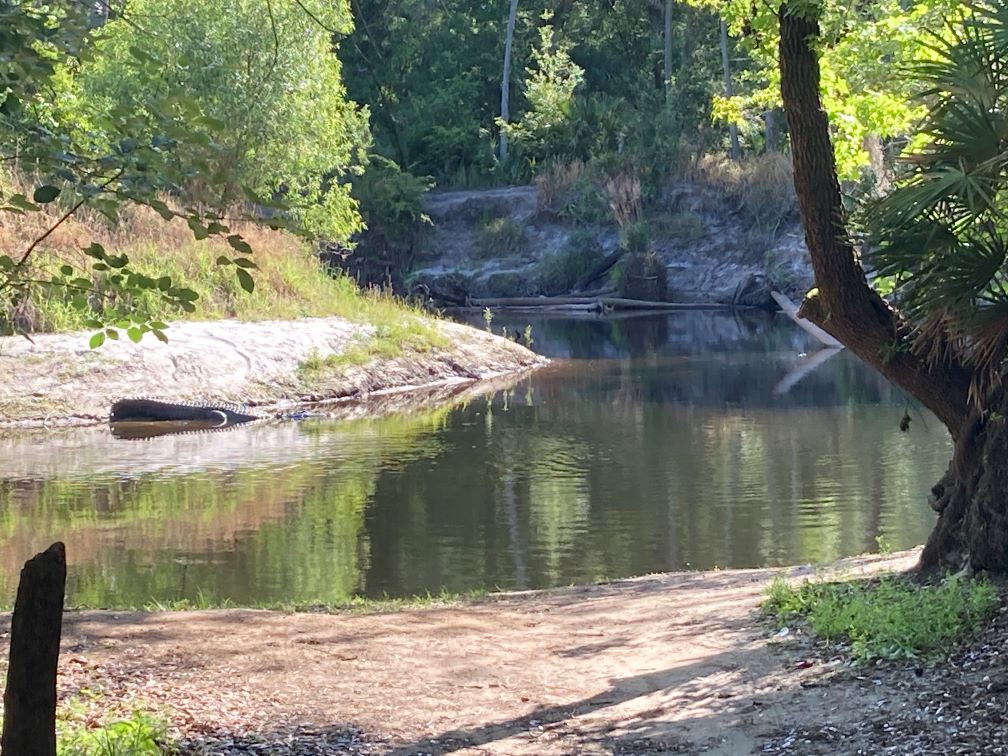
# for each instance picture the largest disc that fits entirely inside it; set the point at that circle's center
(972, 497)
(506, 77)
(29, 727)
(736, 151)
(668, 50)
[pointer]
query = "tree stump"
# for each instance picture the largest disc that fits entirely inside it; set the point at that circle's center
(29, 727)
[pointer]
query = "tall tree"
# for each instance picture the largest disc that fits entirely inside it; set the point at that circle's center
(944, 236)
(505, 112)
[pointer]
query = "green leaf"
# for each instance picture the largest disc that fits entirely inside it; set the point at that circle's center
(164, 283)
(223, 260)
(159, 334)
(112, 333)
(66, 270)
(239, 244)
(161, 209)
(97, 340)
(245, 280)
(79, 302)
(135, 334)
(95, 250)
(45, 194)
(199, 231)
(244, 262)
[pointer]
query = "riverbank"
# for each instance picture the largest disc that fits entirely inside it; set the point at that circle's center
(270, 366)
(667, 663)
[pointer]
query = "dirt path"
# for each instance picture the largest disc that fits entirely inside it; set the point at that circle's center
(57, 379)
(659, 664)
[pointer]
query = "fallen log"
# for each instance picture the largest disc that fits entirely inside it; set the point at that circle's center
(613, 303)
(790, 309)
(531, 301)
(618, 303)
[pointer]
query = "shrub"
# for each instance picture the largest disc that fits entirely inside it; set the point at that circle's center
(624, 192)
(391, 204)
(890, 618)
(559, 272)
(641, 275)
(260, 93)
(497, 237)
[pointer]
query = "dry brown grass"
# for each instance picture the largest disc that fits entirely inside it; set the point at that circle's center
(762, 185)
(290, 281)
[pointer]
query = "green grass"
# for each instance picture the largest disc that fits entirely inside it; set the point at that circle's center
(891, 618)
(87, 726)
(354, 604)
(388, 341)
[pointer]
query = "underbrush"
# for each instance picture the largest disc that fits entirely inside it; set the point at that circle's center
(889, 618)
(290, 281)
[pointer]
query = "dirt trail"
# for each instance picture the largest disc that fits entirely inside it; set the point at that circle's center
(659, 664)
(57, 379)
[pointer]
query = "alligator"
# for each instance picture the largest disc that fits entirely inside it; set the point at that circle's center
(145, 418)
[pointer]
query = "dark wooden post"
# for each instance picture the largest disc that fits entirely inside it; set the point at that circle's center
(29, 727)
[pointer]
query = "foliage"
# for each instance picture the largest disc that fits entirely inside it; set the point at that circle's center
(391, 203)
(138, 734)
(550, 82)
(107, 118)
(863, 51)
(942, 234)
(265, 87)
(560, 271)
(435, 95)
(892, 618)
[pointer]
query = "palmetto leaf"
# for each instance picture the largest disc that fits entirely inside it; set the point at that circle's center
(942, 234)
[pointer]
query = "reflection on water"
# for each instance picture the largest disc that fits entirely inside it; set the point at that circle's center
(655, 443)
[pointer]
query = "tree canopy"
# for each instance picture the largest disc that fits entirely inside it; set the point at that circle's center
(200, 112)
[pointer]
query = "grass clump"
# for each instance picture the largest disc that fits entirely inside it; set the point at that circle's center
(892, 618)
(387, 341)
(137, 733)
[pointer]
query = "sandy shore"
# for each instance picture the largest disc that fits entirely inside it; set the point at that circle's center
(55, 379)
(659, 664)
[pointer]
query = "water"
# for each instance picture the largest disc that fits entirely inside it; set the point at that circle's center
(652, 443)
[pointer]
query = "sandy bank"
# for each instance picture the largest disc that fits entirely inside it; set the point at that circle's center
(55, 379)
(658, 664)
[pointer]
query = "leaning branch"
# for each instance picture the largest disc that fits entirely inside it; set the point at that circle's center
(844, 304)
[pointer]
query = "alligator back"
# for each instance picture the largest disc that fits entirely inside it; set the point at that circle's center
(213, 414)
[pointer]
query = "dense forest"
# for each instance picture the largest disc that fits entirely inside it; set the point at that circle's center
(334, 119)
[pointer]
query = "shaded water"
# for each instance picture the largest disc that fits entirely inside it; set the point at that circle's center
(653, 443)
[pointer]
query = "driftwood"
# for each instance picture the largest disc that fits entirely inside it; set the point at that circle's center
(790, 309)
(29, 727)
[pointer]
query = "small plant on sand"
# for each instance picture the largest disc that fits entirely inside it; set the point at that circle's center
(890, 618)
(136, 734)
(527, 339)
(487, 318)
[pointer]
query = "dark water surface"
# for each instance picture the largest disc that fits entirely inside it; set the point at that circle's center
(652, 443)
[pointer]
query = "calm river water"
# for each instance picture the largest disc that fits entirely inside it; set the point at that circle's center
(652, 443)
